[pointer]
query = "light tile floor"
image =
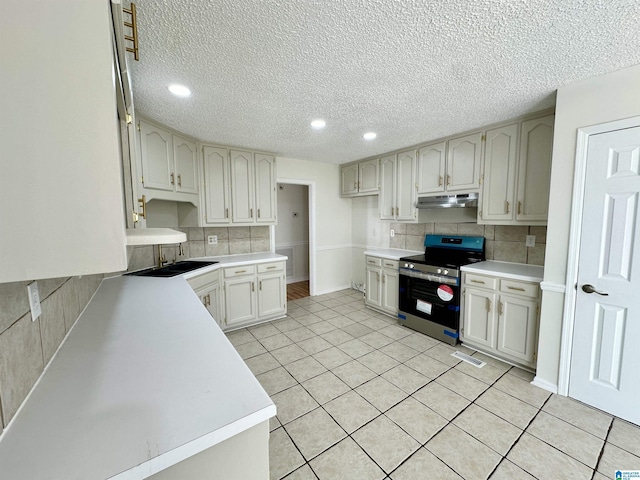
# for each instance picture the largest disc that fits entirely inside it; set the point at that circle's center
(360, 397)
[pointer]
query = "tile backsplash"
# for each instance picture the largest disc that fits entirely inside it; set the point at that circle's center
(504, 242)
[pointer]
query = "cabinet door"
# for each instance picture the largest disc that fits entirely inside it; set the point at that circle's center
(265, 173)
(210, 298)
(374, 286)
(186, 162)
(406, 186)
(499, 173)
(479, 319)
(368, 176)
(242, 187)
(271, 294)
(216, 186)
(431, 168)
(240, 300)
(349, 180)
(157, 157)
(387, 196)
(463, 163)
(517, 327)
(534, 171)
(390, 281)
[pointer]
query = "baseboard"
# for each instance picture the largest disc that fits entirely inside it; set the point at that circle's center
(297, 279)
(551, 387)
(336, 289)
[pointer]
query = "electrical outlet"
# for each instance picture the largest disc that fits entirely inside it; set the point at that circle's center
(530, 241)
(34, 300)
(294, 214)
(212, 239)
(392, 233)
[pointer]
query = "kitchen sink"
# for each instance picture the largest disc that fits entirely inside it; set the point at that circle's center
(173, 269)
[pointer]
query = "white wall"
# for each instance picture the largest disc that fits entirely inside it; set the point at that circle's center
(590, 102)
(332, 217)
(292, 232)
(367, 231)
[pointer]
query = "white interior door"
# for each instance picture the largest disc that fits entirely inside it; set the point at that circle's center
(604, 362)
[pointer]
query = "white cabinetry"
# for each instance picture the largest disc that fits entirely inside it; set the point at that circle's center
(169, 163)
(239, 187)
(254, 293)
(452, 166)
(382, 284)
(397, 199)
(516, 177)
(207, 287)
(359, 178)
(500, 317)
(60, 143)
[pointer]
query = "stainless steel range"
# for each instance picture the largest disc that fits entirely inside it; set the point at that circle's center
(429, 296)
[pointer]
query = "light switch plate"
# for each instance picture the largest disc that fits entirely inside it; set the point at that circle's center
(212, 239)
(530, 241)
(392, 233)
(34, 300)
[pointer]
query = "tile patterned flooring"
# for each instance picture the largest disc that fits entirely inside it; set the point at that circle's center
(360, 397)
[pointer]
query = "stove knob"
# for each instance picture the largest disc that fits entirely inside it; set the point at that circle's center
(439, 270)
(411, 265)
(445, 272)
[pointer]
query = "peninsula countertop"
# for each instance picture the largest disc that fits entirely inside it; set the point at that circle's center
(144, 380)
(514, 271)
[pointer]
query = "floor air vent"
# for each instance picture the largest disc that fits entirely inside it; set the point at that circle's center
(469, 359)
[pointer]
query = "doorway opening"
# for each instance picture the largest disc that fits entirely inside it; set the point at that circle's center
(294, 235)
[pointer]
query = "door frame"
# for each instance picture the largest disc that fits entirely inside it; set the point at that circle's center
(575, 237)
(311, 187)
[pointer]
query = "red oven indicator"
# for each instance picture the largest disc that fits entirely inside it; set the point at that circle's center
(445, 292)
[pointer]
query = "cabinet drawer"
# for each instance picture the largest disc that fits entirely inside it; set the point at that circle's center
(271, 267)
(238, 271)
(375, 261)
(473, 280)
(515, 287)
(204, 280)
(390, 264)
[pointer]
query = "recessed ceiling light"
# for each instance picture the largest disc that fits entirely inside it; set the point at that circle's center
(369, 135)
(318, 124)
(179, 90)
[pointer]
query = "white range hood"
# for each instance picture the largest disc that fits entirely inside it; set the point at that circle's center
(154, 236)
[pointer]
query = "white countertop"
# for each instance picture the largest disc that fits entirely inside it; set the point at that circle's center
(234, 261)
(515, 271)
(144, 380)
(392, 253)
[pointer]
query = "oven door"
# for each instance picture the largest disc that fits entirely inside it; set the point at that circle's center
(430, 297)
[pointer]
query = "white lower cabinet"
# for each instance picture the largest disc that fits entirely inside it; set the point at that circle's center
(382, 284)
(207, 287)
(254, 293)
(500, 317)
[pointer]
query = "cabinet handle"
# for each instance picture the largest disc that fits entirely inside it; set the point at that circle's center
(272, 267)
(448, 180)
(179, 180)
(519, 208)
(377, 276)
(500, 307)
(258, 213)
(143, 204)
(260, 285)
(173, 179)
(392, 211)
(251, 212)
(440, 181)
(397, 211)
(241, 271)
(507, 206)
(383, 276)
(355, 185)
(253, 286)
(517, 289)
(477, 281)
(208, 299)
(226, 213)
(488, 305)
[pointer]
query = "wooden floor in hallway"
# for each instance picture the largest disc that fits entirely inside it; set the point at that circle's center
(297, 290)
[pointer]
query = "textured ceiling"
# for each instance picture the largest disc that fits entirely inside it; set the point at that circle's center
(412, 71)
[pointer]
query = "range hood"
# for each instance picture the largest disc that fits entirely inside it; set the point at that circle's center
(154, 236)
(449, 201)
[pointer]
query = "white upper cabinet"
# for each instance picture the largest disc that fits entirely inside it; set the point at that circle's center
(500, 162)
(265, 181)
(216, 197)
(431, 168)
(169, 164)
(536, 145)
(360, 178)
(517, 170)
(61, 187)
(186, 162)
(397, 200)
(463, 163)
(239, 187)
